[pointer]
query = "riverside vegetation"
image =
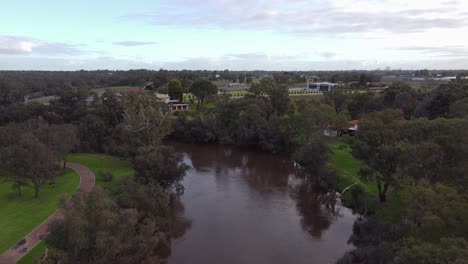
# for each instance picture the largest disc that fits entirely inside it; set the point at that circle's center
(404, 172)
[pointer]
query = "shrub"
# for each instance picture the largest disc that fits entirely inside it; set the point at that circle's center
(106, 175)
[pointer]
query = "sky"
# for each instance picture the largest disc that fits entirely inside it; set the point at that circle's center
(233, 34)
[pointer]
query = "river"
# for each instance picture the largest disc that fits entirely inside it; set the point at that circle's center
(243, 206)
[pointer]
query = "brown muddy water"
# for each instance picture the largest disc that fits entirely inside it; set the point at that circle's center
(244, 206)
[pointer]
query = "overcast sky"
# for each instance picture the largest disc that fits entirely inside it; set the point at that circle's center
(233, 34)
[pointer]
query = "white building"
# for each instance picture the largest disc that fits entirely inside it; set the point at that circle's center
(320, 86)
(163, 97)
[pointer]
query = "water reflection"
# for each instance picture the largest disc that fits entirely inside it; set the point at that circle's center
(249, 207)
(318, 209)
(179, 222)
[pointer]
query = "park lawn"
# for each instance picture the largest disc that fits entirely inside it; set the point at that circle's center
(96, 162)
(20, 215)
(37, 251)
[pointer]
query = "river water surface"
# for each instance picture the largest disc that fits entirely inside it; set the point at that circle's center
(244, 206)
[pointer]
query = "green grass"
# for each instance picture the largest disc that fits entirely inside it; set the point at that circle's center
(114, 88)
(347, 167)
(37, 251)
(119, 168)
(20, 215)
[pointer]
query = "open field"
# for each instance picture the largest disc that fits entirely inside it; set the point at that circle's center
(43, 100)
(100, 91)
(20, 215)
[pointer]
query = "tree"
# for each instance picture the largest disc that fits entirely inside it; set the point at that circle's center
(337, 99)
(33, 161)
(447, 250)
(435, 211)
(159, 165)
(202, 89)
(311, 121)
(423, 160)
(144, 121)
(256, 89)
(358, 104)
(175, 90)
(459, 108)
(151, 200)
(279, 98)
(377, 145)
(95, 230)
(406, 102)
(384, 165)
(60, 139)
(249, 79)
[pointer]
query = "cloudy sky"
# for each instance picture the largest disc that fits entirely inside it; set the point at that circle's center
(233, 34)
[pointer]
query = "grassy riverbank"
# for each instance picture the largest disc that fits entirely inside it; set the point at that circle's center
(119, 169)
(347, 168)
(20, 215)
(97, 163)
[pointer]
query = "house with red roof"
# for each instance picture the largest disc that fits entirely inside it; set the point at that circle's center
(331, 131)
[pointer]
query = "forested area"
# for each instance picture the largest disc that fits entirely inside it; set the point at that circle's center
(411, 197)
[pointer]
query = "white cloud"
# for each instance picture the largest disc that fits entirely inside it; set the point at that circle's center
(133, 43)
(319, 16)
(14, 45)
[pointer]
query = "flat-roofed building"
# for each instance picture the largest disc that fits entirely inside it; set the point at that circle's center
(321, 86)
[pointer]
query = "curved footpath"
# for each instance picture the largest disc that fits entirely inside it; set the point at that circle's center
(15, 253)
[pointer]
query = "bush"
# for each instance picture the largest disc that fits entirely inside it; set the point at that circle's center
(106, 175)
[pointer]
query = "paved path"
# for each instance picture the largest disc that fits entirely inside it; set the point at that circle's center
(15, 253)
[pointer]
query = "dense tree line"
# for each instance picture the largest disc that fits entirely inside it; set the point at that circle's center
(33, 152)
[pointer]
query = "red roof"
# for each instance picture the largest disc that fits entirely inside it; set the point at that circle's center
(353, 122)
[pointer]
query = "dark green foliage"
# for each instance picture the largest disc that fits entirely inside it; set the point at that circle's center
(96, 230)
(447, 250)
(106, 175)
(459, 108)
(175, 90)
(159, 165)
(202, 89)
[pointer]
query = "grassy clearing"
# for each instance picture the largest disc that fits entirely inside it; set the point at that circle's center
(37, 251)
(347, 167)
(20, 215)
(118, 167)
(114, 88)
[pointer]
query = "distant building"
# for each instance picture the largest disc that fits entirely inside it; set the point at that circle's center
(178, 107)
(321, 86)
(163, 97)
(352, 129)
(234, 87)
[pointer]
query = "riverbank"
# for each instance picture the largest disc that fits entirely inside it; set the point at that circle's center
(347, 167)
